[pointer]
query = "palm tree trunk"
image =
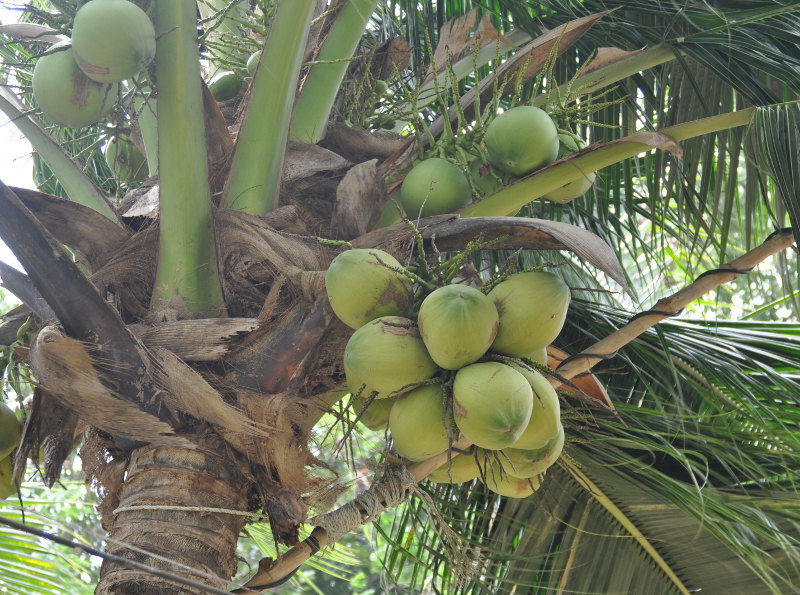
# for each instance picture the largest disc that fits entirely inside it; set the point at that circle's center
(195, 544)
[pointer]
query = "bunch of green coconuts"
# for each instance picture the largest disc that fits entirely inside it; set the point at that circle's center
(455, 361)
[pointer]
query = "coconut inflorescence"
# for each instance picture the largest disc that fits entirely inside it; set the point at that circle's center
(445, 375)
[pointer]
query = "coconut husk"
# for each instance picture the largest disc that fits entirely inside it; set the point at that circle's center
(360, 198)
(199, 340)
(254, 255)
(91, 236)
(127, 278)
(362, 145)
(187, 391)
(49, 426)
(64, 368)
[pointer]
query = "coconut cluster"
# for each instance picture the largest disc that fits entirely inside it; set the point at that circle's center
(76, 82)
(518, 142)
(454, 367)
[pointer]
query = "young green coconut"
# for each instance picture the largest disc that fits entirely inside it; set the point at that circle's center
(532, 307)
(492, 404)
(113, 40)
(545, 421)
(459, 469)
(521, 140)
(10, 430)
(374, 416)
(458, 324)
(386, 356)
(434, 187)
(365, 284)
(125, 160)
(501, 483)
(528, 463)
(575, 188)
(416, 423)
(64, 93)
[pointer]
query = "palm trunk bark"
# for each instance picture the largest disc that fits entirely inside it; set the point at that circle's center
(193, 543)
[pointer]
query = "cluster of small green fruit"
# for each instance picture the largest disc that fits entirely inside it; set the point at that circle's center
(460, 365)
(518, 142)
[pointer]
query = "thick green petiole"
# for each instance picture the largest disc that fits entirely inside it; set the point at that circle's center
(255, 175)
(187, 279)
(314, 104)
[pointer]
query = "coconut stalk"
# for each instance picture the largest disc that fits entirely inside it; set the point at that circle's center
(509, 200)
(272, 573)
(314, 104)
(255, 175)
(187, 278)
(78, 186)
(147, 119)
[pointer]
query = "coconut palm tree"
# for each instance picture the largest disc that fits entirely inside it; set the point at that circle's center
(186, 335)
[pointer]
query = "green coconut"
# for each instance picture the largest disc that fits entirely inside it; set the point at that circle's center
(365, 284)
(225, 85)
(459, 469)
(532, 309)
(492, 404)
(528, 463)
(545, 421)
(539, 356)
(485, 180)
(416, 423)
(125, 160)
(10, 430)
(521, 140)
(113, 40)
(64, 93)
(7, 486)
(252, 62)
(375, 416)
(385, 356)
(574, 189)
(506, 485)
(433, 187)
(458, 324)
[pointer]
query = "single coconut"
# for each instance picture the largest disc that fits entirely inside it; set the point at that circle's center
(459, 469)
(521, 140)
(433, 187)
(113, 40)
(532, 309)
(374, 416)
(575, 188)
(458, 324)
(7, 485)
(225, 85)
(125, 160)
(528, 463)
(492, 404)
(545, 421)
(10, 430)
(416, 423)
(365, 284)
(484, 179)
(64, 93)
(506, 485)
(386, 356)
(252, 62)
